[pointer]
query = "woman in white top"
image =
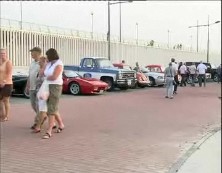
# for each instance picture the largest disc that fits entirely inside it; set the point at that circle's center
(53, 73)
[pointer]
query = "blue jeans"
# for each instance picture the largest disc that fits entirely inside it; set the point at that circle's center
(169, 86)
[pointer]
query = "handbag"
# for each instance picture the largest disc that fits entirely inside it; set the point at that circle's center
(43, 93)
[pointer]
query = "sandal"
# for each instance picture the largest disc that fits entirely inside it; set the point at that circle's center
(46, 136)
(59, 130)
(36, 131)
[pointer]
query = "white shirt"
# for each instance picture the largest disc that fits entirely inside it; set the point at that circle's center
(175, 66)
(49, 70)
(192, 69)
(33, 71)
(201, 68)
(183, 69)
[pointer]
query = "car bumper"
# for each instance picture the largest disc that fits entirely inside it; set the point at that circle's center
(159, 81)
(126, 82)
(143, 83)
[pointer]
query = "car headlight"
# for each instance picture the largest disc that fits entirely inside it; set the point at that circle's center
(120, 75)
(160, 77)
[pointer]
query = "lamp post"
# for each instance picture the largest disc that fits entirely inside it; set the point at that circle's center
(108, 33)
(92, 24)
(137, 33)
(208, 35)
(21, 15)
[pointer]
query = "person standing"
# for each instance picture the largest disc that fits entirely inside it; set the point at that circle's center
(183, 73)
(169, 75)
(219, 74)
(193, 71)
(53, 73)
(6, 84)
(31, 82)
(201, 69)
(176, 81)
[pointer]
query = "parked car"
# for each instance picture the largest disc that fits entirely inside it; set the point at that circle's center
(19, 84)
(102, 69)
(75, 84)
(155, 73)
(211, 72)
(142, 80)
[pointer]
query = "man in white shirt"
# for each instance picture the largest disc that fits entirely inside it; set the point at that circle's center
(183, 73)
(175, 66)
(201, 69)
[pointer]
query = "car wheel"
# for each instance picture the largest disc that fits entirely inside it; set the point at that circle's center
(74, 88)
(215, 78)
(152, 81)
(109, 81)
(25, 94)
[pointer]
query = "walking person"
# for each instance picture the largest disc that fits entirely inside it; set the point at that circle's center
(169, 74)
(6, 84)
(53, 73)
(183, 73)
(201, 69)
(31, 82)
(176, 79)
(193, 71)
(41, 103)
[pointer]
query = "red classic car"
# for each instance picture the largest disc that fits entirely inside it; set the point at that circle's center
(155, 68)
(75, 84)
(142, 80)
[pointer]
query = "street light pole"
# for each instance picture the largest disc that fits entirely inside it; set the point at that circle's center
(21, 15)
(208, 40)
(120, 23)
(108, 33)
(92, 22)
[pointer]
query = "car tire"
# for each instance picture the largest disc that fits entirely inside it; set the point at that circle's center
(25, 94)
(74, 88)
(109, 81)
(215, 78)
(152, 81)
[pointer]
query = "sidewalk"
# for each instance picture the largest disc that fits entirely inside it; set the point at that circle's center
(207, 159)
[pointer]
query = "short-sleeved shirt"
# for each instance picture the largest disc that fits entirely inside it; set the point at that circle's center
(49, 70)
(192, 69)
(170, 72)
(201, 68)
(33, 71)
(175, 66)
(183, 69)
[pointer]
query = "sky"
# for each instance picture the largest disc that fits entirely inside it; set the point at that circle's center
(154, 19)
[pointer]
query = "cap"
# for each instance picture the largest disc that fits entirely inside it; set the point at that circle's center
(37, 49)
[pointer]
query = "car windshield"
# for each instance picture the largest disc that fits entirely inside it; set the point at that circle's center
(145, 70)
(104, 63)
(71, 74)
(126, 67)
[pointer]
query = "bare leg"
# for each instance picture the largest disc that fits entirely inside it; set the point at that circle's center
(59, 121)
(7, 107)
(42, 117)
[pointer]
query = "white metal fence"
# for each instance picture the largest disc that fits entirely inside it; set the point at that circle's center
(72, 46)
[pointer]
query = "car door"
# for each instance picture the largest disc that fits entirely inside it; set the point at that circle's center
(89, 68)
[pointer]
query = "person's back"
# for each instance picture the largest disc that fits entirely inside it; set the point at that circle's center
(201, 68)
(192, 69)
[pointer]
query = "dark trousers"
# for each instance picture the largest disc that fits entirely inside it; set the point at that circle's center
(175, 83)
(202, 79)
(183, 80)
(192, 79)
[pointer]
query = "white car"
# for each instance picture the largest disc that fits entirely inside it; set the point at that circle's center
(156, 78)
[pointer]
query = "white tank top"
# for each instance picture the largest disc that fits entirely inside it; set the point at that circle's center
(49, 70)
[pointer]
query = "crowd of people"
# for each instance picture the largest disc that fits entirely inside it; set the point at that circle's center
(173, 71)
(44, 86)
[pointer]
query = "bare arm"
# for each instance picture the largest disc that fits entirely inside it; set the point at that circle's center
(56, 73)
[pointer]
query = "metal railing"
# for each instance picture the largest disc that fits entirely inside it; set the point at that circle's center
(53, 30)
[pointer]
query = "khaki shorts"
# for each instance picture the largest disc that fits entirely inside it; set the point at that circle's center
(55, 92)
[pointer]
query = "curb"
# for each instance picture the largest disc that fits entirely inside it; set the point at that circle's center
(176, 166)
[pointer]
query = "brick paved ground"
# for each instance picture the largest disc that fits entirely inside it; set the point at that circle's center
(126, 132)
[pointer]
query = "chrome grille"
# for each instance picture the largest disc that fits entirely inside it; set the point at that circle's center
(128, 75)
